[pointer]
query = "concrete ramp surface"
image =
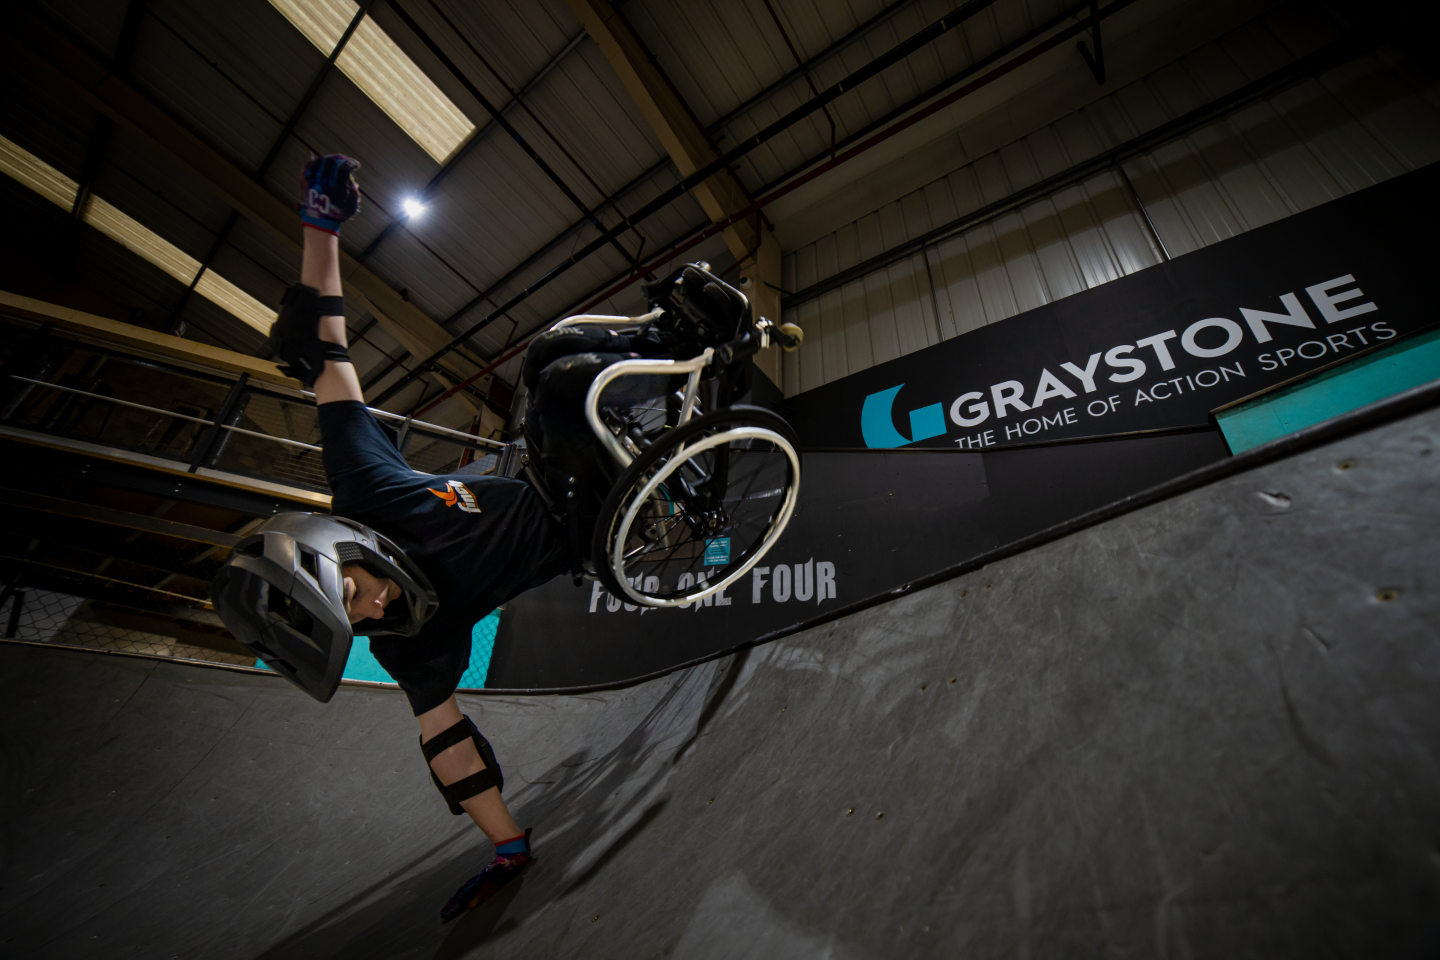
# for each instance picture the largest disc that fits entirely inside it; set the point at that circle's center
(1205, 728)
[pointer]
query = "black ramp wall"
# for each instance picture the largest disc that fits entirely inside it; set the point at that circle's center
(1205, 728)
(879, 519)
(878, 515)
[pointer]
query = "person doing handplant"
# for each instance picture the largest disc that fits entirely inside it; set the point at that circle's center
(414, 559)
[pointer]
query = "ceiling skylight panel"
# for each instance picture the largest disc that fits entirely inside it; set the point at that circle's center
(22, 165)
(227, 296)
(383, 72)
(25, 167)
(130, 233)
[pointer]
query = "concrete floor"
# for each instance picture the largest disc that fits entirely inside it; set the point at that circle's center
(1207, 728)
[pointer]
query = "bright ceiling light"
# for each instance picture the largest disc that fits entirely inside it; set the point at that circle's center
(19, 164)
(412, 207)
(383, 73)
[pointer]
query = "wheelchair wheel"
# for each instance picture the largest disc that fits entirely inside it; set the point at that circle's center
(698, 508)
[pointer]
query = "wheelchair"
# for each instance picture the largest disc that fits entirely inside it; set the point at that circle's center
(693, 487)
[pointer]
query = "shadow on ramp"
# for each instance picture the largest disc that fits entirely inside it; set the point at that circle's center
(585, 811)
(477, 926)
(1208, 727)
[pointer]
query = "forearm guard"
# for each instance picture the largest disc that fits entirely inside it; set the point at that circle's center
(295, 336)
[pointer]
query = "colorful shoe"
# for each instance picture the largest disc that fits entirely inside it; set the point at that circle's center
(331, 194)
(488, 882)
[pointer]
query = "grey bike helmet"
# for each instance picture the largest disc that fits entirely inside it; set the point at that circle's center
(281, 594)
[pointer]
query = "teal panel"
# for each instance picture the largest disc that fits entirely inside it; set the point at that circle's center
(927, 422)
(482, 645)
(1367, 379)
(717, 552)
(362, 664)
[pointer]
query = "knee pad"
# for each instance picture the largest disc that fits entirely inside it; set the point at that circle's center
(295, 336)
(476, 783)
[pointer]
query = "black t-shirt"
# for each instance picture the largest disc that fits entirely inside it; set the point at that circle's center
(480, 540)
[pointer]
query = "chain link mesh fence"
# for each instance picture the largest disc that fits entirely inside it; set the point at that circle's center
(482, 645)
(274, 416)
(432, 454)
(71, 390)
(43, 616)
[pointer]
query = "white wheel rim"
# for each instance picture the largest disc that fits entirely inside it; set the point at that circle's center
(617, 550)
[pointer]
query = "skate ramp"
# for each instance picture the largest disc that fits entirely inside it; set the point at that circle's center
(1207, 727)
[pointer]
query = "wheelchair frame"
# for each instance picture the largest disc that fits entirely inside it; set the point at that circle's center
(693, 370)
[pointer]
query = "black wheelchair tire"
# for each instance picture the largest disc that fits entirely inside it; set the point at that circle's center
(735, 416)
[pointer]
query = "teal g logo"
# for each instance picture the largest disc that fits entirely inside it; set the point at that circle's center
(878, 428)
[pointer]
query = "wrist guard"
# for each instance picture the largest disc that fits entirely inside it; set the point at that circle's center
(295, 335)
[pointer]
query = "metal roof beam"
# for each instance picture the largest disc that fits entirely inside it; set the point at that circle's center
(473, 142)
(839, 46)
(683, 138)
(722, 164)
(722, 195)
(100, 132)
(1111, 159)
(77, 72)
(498, 116)
(140, 338)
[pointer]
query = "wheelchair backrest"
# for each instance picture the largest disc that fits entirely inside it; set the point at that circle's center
(700, 306)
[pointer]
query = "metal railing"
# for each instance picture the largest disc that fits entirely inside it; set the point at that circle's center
(165, 413)
(206, 420)
(81, 575)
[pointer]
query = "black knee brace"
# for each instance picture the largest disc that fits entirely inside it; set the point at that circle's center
(476, 783)
(295, 336)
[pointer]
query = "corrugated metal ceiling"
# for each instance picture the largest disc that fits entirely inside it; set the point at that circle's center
(233, 71)
(731, 51)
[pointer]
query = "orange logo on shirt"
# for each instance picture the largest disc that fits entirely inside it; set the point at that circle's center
(457, 494)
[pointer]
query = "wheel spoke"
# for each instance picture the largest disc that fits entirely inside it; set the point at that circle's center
(734, 490)
(753, 476)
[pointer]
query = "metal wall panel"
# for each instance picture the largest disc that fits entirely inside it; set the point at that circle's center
(1355, 125)
(729, 51)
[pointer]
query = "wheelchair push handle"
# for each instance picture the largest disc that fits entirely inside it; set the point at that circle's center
(695, 300)
(761, 334)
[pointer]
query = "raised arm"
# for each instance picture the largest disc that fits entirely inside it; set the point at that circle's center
(321, 269)
(309, 335)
